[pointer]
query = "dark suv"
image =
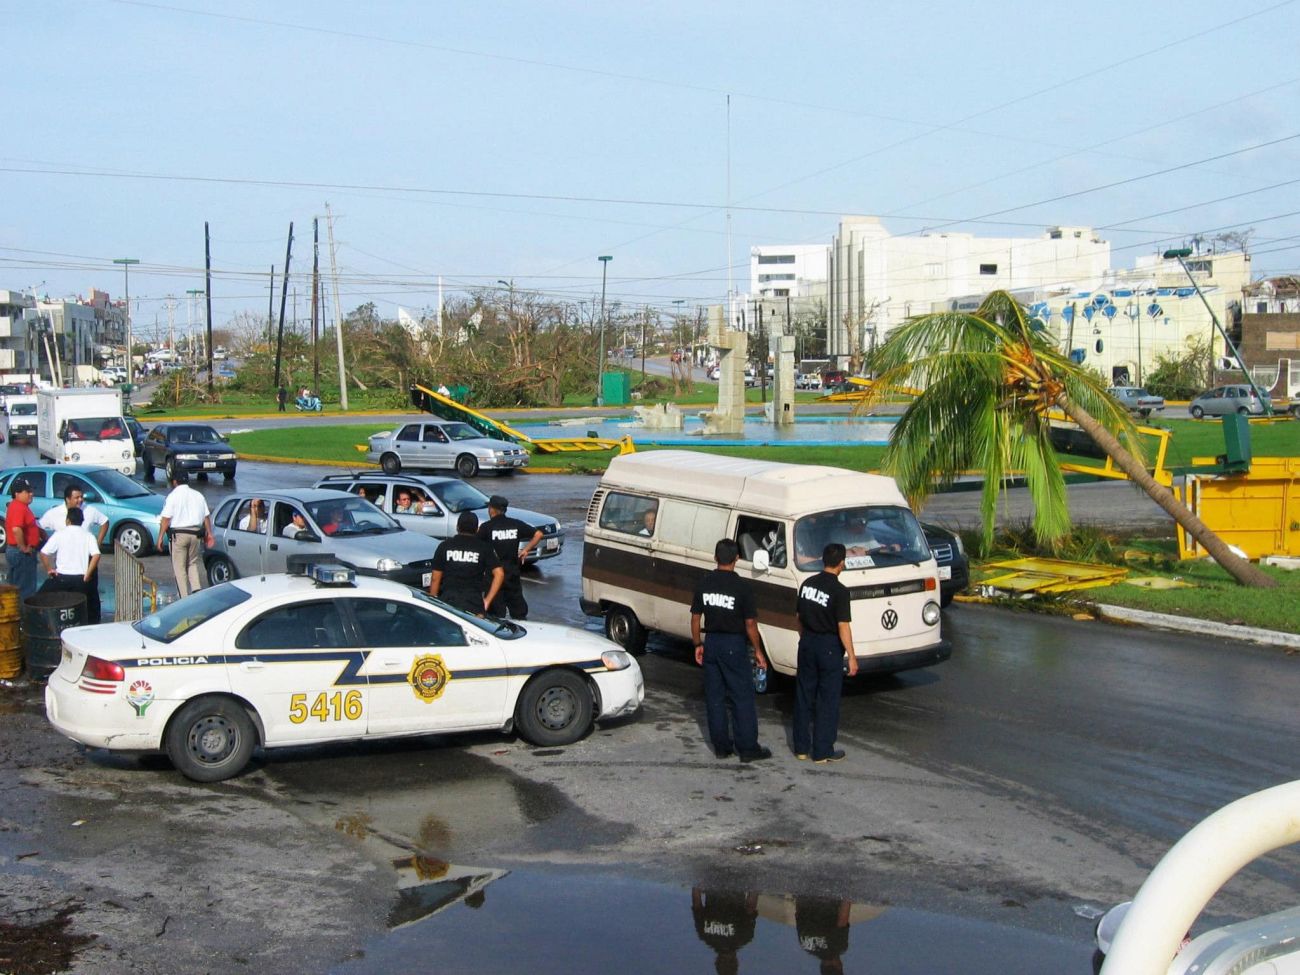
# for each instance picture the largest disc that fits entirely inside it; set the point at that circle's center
(194, 447)
(954, 569)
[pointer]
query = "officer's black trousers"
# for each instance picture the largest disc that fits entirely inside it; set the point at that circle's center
(818, 683)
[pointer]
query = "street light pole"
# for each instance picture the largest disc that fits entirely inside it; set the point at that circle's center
(126, 263)
(1178, 255)
(600, 361)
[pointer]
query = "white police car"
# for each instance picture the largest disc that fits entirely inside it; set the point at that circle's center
(325, 656)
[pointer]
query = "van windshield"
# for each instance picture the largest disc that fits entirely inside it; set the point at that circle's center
(872, 535)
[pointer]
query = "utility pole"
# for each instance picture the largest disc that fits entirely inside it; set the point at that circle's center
(338, 312)
(284, 297)
(207, 291)
(270, 306)
(171, 323)
(600, 360)
(315, 303)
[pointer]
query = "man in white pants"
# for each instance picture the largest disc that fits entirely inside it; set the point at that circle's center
(186, 523)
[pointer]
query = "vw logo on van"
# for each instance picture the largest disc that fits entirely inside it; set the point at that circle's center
(889, 619)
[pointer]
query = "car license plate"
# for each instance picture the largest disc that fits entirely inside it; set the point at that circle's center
(426, 579)
(209, 464)
(945, 572)
(552, 545)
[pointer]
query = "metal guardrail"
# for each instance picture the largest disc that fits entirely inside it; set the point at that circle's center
(131, 587)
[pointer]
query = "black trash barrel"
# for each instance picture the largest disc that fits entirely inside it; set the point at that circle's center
(45, 616)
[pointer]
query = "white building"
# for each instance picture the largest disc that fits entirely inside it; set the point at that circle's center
(877, 280)
(786, 270)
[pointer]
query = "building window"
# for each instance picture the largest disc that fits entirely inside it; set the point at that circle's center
(933, 270)
(988, 269)
(764, 278)
(775, 258)
(1282, 341)
(1206, 266)
(1261, 308)
(781, 293)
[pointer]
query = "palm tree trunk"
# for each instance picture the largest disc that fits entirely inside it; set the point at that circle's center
(1240, 569)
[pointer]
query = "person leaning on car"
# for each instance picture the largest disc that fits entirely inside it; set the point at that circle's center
(466, 571)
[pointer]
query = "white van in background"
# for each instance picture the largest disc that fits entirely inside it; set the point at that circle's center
(656, 516)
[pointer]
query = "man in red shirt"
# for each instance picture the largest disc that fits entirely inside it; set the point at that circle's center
(22, 539)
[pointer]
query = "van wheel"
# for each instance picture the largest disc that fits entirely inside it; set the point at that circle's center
(622, 626)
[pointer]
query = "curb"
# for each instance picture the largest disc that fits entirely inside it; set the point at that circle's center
(1184, 624)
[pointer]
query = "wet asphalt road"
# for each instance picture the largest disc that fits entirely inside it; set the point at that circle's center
(1041, 770)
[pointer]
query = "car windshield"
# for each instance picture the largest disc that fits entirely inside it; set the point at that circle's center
(180, 617)
(460, 431)
(115, 485)
(457, 496)
(204, 435)
(872, 536)
(22, 409)
(499, 628)
(351, 516)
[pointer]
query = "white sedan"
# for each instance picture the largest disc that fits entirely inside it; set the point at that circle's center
(326, 656)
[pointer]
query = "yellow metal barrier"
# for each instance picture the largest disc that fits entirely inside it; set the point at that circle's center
(1258, 512)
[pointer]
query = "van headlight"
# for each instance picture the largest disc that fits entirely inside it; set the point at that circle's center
(388, 565)
(930, 614)
(616, 660)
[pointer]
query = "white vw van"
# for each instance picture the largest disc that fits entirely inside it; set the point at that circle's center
(656, 516)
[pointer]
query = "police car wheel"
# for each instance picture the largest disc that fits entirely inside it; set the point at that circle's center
(622, 626)
(133, 539)
(220, 570)
(466, 465)
(210, 739)
(555, 708)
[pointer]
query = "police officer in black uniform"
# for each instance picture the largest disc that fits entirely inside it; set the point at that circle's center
(726, 603)
(505, 534)
(824, 640)
(822, 926)
(725, 921)
(466, 571)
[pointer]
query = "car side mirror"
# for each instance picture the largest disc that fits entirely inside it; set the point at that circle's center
(224, 438)
(762, 561)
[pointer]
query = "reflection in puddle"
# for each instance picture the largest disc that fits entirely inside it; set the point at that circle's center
(543, 922)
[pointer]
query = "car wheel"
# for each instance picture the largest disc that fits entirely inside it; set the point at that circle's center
(622, 626)
(1295, 411)
(171, 469)
(1144, 413)
(2, 536)
(220, 569)
(1197, 412)
(210, 739)
(555, 708)
(231, 475)
(390, 464)
(946, 598)
(1243, 411)
(133, 539)
(466, 465)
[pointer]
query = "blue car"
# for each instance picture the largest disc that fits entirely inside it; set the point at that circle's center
(133, 511)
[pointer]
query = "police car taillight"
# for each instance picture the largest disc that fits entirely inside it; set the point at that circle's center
(97, 669)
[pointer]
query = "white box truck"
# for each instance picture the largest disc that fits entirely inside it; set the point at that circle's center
(84, 426)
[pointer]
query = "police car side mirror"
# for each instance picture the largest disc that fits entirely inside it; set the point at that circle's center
(762, 561)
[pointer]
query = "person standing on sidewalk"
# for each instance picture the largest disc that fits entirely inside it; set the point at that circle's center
(505, 534)
(22, 538)
(186, 523)
(71, 557)
(93, 521)
(724, 603)
(281, 397)
(825, 637)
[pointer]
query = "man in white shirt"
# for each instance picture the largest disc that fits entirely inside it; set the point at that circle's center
(298, 524)
(186, 523)
(93, 521)
(71, 556)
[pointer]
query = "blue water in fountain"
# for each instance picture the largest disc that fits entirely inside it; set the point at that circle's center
(811, 431)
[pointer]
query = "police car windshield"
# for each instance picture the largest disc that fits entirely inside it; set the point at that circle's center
(460, 431)
(116, 485)
(872, 536)
(457, 496)
(501, 629)
(194, 610)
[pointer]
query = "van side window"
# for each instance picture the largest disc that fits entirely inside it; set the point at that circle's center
(629, 513)
(755, 534)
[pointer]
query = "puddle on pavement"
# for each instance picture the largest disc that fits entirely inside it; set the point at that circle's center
(448, 919)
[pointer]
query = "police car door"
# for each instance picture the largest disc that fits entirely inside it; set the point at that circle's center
(294, 664)
(427, 669)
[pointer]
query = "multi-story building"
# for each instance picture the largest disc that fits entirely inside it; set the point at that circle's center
(42, 336)
(14, 306)
(877, 280)
(786, 271)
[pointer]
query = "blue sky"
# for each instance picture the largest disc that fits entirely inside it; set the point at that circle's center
(519, 141)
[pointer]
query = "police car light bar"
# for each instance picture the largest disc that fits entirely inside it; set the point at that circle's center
(331, 574)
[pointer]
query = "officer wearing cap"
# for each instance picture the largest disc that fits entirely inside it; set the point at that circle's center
(825, 637)
(505, 534)
(22, 537)
(724, 603)
(466, 571)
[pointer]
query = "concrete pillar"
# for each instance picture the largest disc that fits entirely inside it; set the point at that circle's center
(782, 350)
(729, 417)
